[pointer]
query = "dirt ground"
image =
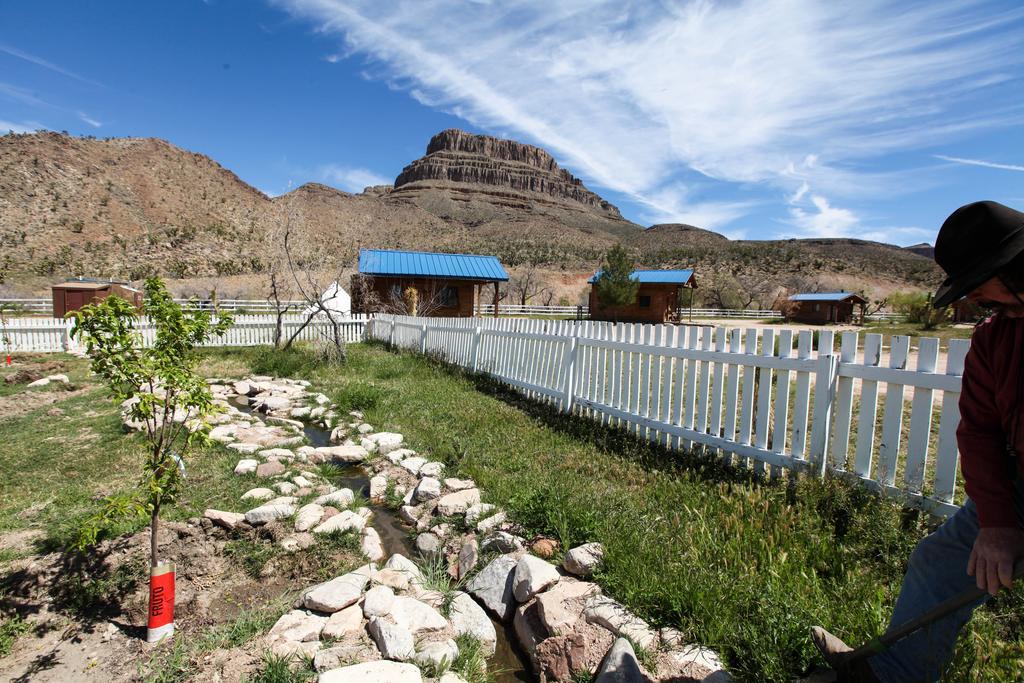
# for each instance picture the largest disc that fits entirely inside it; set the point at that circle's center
(100, 632)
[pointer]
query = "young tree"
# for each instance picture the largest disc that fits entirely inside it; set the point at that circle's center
(615, 287)
(158, 385)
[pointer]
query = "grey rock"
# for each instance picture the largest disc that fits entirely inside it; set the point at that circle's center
(494, 584)
(246, 466)
(501, 542)
(228, 520)
(338, 593)
(428, 489)
(583, 560)
(469, 554)
(439, 655)
(393, 641)
(467, 617)
(620, 665)
(428, 544)
(269, 513)
(457, 503)
(308, 516)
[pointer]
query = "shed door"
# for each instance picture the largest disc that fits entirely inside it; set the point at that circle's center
(75, 299)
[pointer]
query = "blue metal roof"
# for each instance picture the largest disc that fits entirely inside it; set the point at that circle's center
(650, 277)
(427, 264)
(824, 296)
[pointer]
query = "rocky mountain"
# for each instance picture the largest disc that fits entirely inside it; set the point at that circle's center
(923, 249)
(129, 207)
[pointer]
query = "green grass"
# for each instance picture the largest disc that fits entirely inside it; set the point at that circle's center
(277, 669)
(10, 629)
(736, 564)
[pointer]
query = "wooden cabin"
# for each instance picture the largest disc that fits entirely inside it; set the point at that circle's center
(822, 308)
(446, 285)
(657, 299)
(74, 294)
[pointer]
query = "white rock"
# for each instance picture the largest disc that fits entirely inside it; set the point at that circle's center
(487, 524)
(559, 608)
(432, 469)
(493, 586)
(298, 626)
(365, 428)
(702, 656)
(398, 455)
(346, 520)
(241, 388)
(38, 383)
(378, 487)
(300, 412)
(409, 514)
(286, 487)
(416, 616)
(321, 400)
(269, 513)
(412, 465)
(457, 503)
(246, 466)
(459, 484)
(245, 448)
(385, 441)
(475, 512)
(439, 655)
(341, 498)
(343, 454)
(308, 516)
(299, 541)
(373, 672)
(608, 613)
(392, 578)
(584, 559)
(428, 544)
(393, 641)
(468, 617)
(258, 494)
(533, 575)
(427, 489)
(277, 454)
(228, 520)
(282, 500)
(292, 649)
(370, 544)
(378, 602)
(402, 563)
(344, 623)
(338, 593)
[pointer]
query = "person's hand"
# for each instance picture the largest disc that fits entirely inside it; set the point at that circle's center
(993, 556)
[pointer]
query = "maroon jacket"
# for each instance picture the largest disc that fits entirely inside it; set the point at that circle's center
(987, 410)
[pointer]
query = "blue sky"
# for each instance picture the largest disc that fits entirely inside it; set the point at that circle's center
(767, 119)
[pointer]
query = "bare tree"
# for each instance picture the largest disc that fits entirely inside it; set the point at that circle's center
(409, 300)
(525, 285)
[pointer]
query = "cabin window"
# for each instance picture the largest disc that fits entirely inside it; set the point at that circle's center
(817, 307)
(449, 297)
(645, 301)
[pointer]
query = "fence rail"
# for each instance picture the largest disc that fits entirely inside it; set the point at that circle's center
(45, 305)
(47, 335)
(766, 399)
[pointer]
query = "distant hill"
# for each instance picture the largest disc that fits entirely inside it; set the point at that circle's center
(923, 249)
(129, 207)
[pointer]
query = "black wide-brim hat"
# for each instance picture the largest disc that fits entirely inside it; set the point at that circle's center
(973, 244)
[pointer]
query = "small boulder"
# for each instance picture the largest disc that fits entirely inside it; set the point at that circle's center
(432, 469)
(493, 586)
(343, 623)
(341, 498)
(620, 665)
(428, 489)
(298, 626)
(412, 465)
(416, 616)
(584, 560)
(338, 593)
(259, 494)
(270, 469)
(459, 484)
(378, 602)
(370, 544)
(393, 641)
(346, 520)
(228, 520)
(439, 655)
(457, 503)
(544, 547)
(308, 516)
(609, 614)
(385, 442)
(468, 556)
(467, 617)
(246, 466)
(428, 544)
(501, 542)
(488, 524)
(269, 513)
(474, 513)
(378, 487)
(533, 575)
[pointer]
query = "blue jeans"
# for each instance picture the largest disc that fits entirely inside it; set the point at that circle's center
(936, 572)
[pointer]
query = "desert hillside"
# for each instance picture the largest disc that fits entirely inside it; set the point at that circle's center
(130, 207)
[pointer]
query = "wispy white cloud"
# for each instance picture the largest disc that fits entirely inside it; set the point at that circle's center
(88, 119)
(23, 95)
(980, 162)
(350, 178)
(823, 220)
(39, 61)
(642, 97)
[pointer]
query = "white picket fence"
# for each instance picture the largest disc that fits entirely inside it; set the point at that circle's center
(767, 399)
(43, 335)
(44, 305)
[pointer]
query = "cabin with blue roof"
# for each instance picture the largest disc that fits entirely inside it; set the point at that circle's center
(822, 308)
(657, 299)
(433, 284)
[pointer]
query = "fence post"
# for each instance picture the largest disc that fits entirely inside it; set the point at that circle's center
(423, 338)
(825, 390)
(391, 333)
(477, 334)
(569, 368)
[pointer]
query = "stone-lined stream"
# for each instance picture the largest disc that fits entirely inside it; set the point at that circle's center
(509, 663)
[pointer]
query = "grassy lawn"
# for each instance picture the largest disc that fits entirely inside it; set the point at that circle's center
(740, 566)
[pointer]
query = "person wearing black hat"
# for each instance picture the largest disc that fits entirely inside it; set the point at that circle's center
(981, 248)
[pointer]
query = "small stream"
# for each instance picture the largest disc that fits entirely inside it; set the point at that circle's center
(509, 663)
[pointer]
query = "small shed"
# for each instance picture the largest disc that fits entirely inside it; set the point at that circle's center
(825, 307)
(657, 299)
(74, 294)
(446, 285)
